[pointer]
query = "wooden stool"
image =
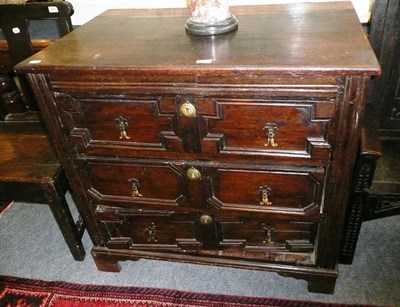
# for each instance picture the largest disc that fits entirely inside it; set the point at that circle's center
(29, 169)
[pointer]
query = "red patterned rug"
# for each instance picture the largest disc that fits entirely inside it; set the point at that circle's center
(28, 292)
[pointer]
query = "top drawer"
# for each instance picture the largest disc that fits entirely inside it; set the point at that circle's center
(246, 123)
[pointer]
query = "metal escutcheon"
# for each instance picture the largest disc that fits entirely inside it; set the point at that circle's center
(206, 220)
(193, 174)
(187, 109)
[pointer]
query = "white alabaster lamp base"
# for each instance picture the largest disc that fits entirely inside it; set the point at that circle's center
(218, 27)
(210, 17)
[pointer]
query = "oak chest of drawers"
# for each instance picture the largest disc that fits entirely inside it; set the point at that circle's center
(233, 150)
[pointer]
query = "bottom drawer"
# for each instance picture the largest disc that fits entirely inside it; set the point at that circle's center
(259, 237)
(137, 228)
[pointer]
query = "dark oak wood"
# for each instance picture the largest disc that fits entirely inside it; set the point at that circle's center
(385, 38)
(370, 152)
(14, 22)
(29, 168)
(6, 62)
(375, 191)
(345, 52)
(385, 96)
(243, 162)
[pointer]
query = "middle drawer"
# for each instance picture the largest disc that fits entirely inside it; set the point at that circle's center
(199, 186)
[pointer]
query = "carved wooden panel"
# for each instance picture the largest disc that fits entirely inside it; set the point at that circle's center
(155, 126)
(139, 123)
(147, 183)
(385, 90)
(269, 127)
(265, 190)
(268, 235)
(256, 238)
(146, 229)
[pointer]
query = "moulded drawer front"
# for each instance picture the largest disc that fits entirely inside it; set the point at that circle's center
(260, 235)
(294, 130)
(274, 128)
(146, 229)
(153, 183)
(225, 236)
(110, 124)
(266, 190)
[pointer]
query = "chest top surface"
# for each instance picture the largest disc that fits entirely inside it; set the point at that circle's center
(324, 38)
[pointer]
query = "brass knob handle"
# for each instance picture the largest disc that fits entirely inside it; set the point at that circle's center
(193, 174)
(206, 220)
(187, 109)
(265, 192)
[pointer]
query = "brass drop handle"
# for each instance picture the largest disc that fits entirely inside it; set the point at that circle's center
(270, 132)
(193, 174)
(265, 192)
(151, 232)
(135, 187)
(122, 124)
(206, 219)
(268, 229)
(187, 109)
